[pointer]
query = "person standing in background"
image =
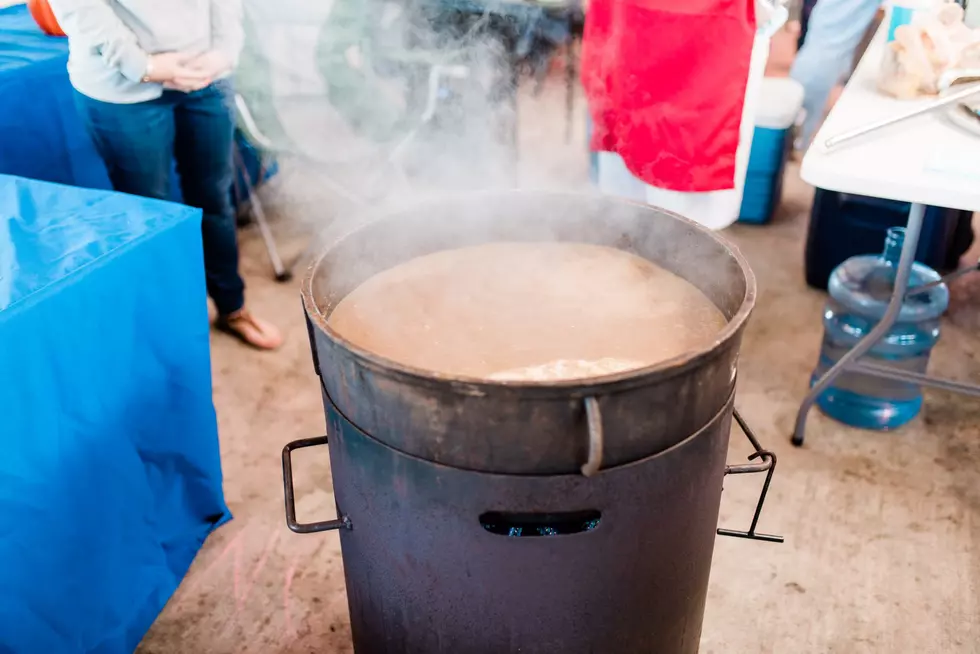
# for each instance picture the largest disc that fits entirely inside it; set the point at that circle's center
(834, 31)
(152, 82)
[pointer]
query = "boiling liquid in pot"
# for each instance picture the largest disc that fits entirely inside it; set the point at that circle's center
(527, 311)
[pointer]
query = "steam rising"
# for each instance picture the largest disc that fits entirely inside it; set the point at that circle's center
(341, 90)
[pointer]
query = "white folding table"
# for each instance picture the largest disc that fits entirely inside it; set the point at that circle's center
(923, 161)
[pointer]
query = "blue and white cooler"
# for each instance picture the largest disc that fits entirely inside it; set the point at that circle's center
(780, 102)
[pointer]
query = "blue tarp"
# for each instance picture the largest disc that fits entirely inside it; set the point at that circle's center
(110, 477)
(41, 135)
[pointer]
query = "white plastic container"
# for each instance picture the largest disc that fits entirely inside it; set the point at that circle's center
(714, 209)
(780, 104)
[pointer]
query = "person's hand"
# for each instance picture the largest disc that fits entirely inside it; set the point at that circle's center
(213, 63)
(173, 71)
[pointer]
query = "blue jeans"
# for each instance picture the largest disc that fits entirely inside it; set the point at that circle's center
(834, 31)
(139, 143)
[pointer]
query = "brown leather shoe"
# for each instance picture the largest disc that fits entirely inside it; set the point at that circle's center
(250, 330)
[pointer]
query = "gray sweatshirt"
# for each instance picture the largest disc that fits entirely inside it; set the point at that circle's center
(110, 41)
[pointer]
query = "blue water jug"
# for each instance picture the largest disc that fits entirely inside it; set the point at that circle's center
(860, 289)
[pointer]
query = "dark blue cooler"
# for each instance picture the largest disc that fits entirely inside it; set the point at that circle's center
(779, 105)
(844, 225)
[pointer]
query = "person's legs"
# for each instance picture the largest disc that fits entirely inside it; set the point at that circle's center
(135, 142)
(833, 34)
(203, 147)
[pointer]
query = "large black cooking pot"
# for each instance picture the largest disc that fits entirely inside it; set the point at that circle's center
(549, 518)
(529, 428)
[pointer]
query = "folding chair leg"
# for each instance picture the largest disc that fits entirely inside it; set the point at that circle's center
(282, 273)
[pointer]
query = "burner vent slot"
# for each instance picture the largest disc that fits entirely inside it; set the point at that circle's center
(533, 525)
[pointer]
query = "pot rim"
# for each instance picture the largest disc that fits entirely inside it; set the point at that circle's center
(581, 387)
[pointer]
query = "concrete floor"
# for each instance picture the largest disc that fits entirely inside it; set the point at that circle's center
(882, 549)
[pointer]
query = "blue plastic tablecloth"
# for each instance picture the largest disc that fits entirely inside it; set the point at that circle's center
(110, 477)
(41, 135)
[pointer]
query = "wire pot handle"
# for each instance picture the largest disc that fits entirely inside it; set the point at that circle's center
(593, 417)
(342, 522)
(766, 464)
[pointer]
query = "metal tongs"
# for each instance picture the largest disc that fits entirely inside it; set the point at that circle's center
(951, 99)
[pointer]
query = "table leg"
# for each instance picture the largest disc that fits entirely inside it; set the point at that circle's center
(912, 231)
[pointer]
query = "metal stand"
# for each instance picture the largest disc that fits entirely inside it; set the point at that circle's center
(851, 361)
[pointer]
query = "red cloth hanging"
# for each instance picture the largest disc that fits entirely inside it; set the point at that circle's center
(665, 81)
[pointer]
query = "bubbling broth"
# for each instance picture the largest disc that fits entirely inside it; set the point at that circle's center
(527, 311)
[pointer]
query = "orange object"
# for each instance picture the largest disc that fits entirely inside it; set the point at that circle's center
(44, 17)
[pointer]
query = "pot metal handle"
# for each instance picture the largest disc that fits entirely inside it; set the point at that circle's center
(766, 465)
(342, 522)
(594, 419)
